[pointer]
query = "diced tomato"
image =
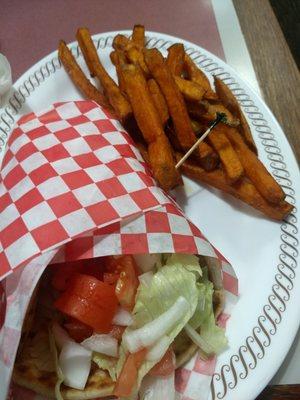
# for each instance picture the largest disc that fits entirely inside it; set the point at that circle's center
(111, 277)
(165, 366)
(89, 301)
(117, 331)
(127, 283)
(78, 331)
(128, 376)
(64, 271)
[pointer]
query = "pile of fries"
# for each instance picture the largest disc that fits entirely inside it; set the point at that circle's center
(166, 104)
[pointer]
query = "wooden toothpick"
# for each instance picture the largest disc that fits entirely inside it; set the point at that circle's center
(221, 117)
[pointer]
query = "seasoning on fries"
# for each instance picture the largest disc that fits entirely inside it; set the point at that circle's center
(182, 124)
(78, 77)
(243, 190)
(117, 100)
(159, 150)
(171, 99)
(159, 101)
(196, 75)
(175, 59)
(230, 101)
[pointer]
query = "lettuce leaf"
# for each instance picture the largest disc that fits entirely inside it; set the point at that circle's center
(203, 320)
(188, 261)
(167, 285)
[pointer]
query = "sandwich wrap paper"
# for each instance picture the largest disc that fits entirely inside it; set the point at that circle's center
(72, 186)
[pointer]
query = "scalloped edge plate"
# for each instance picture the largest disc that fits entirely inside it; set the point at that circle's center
(264, 253)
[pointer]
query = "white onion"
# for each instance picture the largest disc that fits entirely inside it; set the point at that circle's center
(122, 317)
(157, 351)
(146, 262)
(75, 363)
(146, 278)
(104, 344)
(5, 75)
(198, 340)
(60, 335)
(156, 387)
(150, 333)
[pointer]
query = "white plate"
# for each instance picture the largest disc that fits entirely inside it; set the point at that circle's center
(263, 253)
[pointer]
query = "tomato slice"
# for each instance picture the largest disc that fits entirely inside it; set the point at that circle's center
(77, 330)
(64, 271)
(128, 282)
(111, 277)
(89, 301)
(165, 366)
(128, 376)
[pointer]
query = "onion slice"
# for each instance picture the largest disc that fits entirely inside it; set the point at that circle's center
(146, 278)
(198, 340)
(104, 344)
(146, 262)
(150, 333)
(122, 318)
(60, 335)
(157, 351)
(154, 387)
(75, 363)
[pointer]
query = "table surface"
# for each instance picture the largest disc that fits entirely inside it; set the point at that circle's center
(23, 31)
(275, 68)
(279, 81)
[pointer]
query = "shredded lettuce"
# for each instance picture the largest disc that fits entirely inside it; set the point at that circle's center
(188, 261)
(167, 285)
(107, 363)
(213, 334)
(203, 320)
(180, 276)
(204, 305)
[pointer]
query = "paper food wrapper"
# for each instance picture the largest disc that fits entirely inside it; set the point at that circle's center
(73, 186)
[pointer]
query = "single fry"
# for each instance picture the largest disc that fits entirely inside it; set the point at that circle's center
(243, 190)
(185, 135)
(196, 75)
(159, 101)
(118, 101)
(229, 159)
(159, 150)
(230, 101)
(143, 150)
(138, 36)
(211, 111)
(120, 42)
(132, 48)
(118, 58)
(254, 168)
(190, 90)
(78, 77)
(175, 59)
(135, 56)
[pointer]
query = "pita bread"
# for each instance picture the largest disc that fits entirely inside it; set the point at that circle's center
(35, 370)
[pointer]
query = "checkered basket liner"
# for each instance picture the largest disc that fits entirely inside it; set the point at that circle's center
(73, 185)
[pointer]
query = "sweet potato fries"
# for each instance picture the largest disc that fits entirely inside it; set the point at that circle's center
(166, 104)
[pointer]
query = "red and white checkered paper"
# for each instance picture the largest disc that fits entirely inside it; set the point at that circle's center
(73, 185)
